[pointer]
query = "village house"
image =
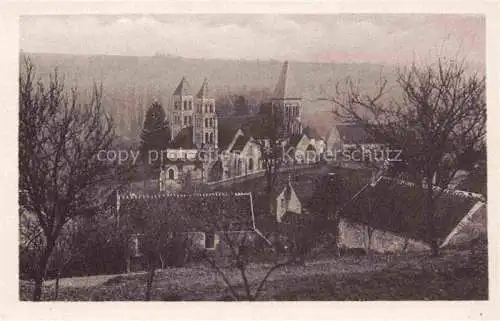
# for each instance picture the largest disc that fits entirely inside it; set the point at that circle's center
(204, 221)
(242, 156)
(386, 216)
(315, 139)
(301, 150)
(349, 136)
(292, 198)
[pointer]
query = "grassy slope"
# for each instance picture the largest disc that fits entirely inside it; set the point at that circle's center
(457, 275)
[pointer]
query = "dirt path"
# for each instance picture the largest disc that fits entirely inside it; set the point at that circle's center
(87, 281)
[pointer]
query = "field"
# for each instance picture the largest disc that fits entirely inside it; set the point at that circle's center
(459, 274)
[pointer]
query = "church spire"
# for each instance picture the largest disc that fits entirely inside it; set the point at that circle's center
(183, 89)
(286, 87)
(203, 93)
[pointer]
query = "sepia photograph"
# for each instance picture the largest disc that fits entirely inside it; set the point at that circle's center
(252, 157)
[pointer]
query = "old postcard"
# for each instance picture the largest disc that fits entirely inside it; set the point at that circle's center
(268, 156)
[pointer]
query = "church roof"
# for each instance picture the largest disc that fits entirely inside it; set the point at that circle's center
(184, 139)
(203, 92)
(227, 128)
(183, 89)
(286, 88)
(251, 125)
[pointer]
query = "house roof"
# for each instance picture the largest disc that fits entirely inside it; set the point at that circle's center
(183, 89)
(184, 139)
(240, 143)
(294, 140)
(203, 92)
(189, 212)
(395, 206)
(354, 134)
(304, 188)
(286, 88)
(311, 132)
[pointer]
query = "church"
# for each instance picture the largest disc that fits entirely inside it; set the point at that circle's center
(207, 147)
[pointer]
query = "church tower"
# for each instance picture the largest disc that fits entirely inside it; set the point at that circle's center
(181, 108)
(287, 103)
(205, 120)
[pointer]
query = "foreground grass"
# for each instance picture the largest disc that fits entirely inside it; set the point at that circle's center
(456, 275)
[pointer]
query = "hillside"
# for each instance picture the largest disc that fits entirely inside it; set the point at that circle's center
(131, 83)
(459, 274)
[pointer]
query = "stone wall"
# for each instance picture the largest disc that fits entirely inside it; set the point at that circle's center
(355, 235)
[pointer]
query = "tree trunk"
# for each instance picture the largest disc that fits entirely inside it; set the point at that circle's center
(58, 277)
(431, 224)
(162, 260)
(42, 268)
(435, 248)
(149, 285)
(37, 292)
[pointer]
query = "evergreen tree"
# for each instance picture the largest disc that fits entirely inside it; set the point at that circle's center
(155, 134)
(134, 125)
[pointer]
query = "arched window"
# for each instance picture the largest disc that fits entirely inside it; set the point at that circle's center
(211, 108)
(211, 138)
(206, 138)
(250, 164)
(190, 105)
(171, 173)
(206, 122)
(185, 105)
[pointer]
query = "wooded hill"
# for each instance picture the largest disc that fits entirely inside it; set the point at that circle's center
(131, 83)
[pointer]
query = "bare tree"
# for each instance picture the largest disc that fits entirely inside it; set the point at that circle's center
(271, 149)
(237, 259)
(59, 142)
(65, 251)
(159, 235)
(235, 248)
(440, 115)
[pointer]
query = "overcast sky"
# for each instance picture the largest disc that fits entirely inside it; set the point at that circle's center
(386, 39)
